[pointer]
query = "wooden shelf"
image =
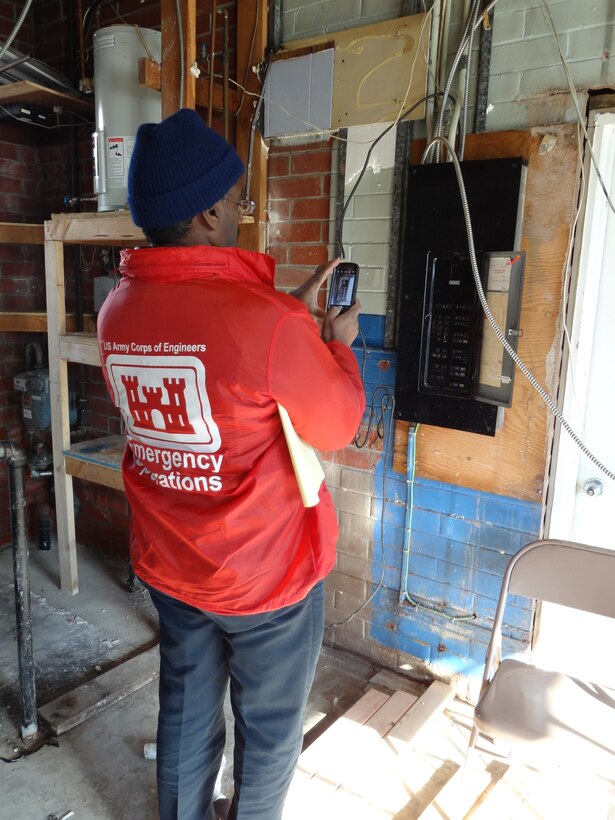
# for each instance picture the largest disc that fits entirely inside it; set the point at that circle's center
(81, 348)
(98, 460)
(21, 233)
(25, 91)
(105, 228)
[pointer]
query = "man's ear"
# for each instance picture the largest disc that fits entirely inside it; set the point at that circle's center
(211, 217)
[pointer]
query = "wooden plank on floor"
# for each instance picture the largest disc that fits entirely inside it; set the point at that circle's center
(506, 795)
(385, 679)
(71, 709)
(458, 795)
(358, 714)
(308, 791)
(348, 763)
(427, 708)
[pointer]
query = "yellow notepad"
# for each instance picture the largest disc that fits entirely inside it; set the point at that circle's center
(306, 465)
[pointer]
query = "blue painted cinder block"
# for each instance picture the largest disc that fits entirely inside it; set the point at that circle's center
(459, 546)
(423, 565)
(424, 521)
(426, 543)
(510, 513)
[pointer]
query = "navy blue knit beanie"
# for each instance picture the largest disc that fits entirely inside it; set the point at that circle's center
(178, 168)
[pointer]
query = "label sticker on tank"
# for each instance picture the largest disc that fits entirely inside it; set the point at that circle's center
(119, 151)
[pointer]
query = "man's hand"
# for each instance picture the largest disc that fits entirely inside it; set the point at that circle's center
(308, 291)
(341, 327)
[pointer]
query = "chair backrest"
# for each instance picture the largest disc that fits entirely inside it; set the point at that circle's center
(562, 572)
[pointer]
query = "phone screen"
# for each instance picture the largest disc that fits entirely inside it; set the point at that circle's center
(343, 290)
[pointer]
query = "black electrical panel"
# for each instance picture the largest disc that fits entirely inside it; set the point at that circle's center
(439, 321)
(452, 321)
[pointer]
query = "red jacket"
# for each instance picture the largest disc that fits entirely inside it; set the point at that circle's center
(198, 347)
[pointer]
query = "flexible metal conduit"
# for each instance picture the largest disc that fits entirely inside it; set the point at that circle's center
(15, 458)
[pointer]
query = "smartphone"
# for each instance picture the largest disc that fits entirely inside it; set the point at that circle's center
(343, 288)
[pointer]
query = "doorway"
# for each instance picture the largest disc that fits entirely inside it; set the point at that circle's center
(583, 498)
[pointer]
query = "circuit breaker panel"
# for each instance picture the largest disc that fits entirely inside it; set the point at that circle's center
(440, 321)
(450, 340)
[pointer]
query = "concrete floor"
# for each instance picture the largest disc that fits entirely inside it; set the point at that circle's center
(98, 769)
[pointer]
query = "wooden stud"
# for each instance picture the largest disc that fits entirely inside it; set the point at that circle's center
(170, 71)
(60, 424)
(252, 27)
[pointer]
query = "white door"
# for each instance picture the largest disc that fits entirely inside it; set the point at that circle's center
(583, 505)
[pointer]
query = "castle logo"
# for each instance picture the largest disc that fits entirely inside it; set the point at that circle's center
(164, 400)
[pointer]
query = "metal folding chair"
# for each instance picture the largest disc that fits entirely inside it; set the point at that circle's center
(542, 715)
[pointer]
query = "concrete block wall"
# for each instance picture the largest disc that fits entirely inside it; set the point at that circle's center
(525, 62)
(305, 18)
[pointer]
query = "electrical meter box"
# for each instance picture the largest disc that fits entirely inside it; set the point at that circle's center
(35, 403)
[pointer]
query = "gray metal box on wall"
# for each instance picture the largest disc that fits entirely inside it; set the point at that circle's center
(299, 95)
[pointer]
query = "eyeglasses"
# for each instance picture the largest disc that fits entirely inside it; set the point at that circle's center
(245, 207)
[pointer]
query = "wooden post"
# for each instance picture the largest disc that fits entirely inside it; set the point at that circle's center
(170, 72)
(252, 22)
(60, 423)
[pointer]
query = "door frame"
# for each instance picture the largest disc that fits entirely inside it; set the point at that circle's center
(582, 307)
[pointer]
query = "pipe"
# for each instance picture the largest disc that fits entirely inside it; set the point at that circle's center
(15, 458)
(16, 28)
(212, 60)
(225, 71)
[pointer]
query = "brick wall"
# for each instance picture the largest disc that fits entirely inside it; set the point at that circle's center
(22, 287)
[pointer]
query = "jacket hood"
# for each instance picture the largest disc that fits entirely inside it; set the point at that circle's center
(196, 262)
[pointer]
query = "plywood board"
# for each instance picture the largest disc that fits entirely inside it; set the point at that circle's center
(379, 69)
(110, 687)
(513, 463)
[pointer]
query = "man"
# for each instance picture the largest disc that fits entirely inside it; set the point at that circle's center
(198, 349)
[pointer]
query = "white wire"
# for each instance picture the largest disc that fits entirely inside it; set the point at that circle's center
(575, 99)
(494, 325)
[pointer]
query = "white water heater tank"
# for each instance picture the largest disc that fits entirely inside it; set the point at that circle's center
(122, 105)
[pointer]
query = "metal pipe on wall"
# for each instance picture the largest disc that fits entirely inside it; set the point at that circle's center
(15, 458)
(225, 71)
(212, 62)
